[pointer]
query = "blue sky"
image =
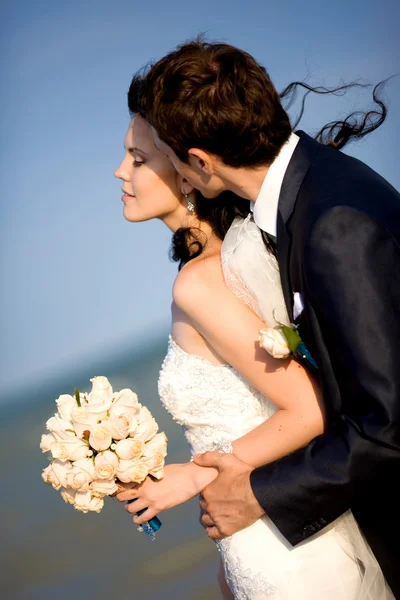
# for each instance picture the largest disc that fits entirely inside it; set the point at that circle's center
(76, 279)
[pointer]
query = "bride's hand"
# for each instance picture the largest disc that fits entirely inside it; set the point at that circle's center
(180, 483)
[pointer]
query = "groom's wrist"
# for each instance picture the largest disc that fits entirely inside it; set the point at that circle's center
(258, 486)
(257, 506)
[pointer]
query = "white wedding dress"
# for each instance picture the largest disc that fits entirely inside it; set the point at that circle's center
(216, 405)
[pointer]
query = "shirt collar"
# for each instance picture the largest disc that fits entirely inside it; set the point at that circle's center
(265, 208)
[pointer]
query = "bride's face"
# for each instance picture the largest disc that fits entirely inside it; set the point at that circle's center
(152, 188)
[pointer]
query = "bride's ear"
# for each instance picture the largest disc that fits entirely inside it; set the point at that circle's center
(186, 187)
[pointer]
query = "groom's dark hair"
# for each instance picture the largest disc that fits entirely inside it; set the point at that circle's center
(220, 99)
(215, 97)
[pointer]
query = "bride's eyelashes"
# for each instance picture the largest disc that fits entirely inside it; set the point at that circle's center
(137, 163)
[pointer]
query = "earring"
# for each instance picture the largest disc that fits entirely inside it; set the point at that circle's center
(190, 205)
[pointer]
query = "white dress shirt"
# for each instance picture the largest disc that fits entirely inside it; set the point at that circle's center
(265, 208)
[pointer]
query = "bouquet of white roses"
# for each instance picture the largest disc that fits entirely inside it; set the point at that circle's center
(99, 439)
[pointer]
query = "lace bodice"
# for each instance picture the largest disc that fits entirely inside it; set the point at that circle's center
(213, 403)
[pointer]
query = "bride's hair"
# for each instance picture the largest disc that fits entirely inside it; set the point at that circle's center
(206, 87)
(219, 213)
(355, 126)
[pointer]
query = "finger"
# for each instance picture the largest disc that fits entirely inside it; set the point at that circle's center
(148, 514)
(214, 533)
(127, 495)
(202, 504)
(206, 520)
(134, 507)
(123, 487)
(208, 459)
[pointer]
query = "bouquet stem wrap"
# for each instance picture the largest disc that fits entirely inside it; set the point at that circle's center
(151, 527)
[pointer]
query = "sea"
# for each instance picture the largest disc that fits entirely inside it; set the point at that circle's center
(49, 551)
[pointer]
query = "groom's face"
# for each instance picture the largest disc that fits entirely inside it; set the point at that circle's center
(194, 172)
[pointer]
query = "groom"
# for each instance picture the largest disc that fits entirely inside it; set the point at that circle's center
(336, 223)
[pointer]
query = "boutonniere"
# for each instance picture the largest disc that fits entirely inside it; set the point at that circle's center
(284, 340)
(280, 341)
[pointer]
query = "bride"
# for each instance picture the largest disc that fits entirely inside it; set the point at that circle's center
(230, 394)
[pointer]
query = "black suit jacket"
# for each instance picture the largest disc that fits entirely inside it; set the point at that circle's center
(338, 244)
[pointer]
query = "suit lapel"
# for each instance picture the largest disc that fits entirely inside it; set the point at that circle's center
(299, 164)
(291, 227)
(283, 250)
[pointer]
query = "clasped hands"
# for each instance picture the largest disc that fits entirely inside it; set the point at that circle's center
(227, 502)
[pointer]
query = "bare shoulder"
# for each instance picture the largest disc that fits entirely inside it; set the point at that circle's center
(198, 280)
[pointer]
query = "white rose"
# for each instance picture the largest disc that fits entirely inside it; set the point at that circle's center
(154, 455)
(65, 404)
(274, 342)
(103, 487)
(83, 420)
(121, 409)
(121, 425)
(130, 471)
(60, 428)
(56, 474)
(81, 474)
(46, 441)
(157, 445)
(130, 449)
(68, 496)
(100, 398)
(100, 437)
(101, 384)
(72, 449)
(106, 465)
(46, 474)
(125, 398)
(86, 501)
(156, 471)
(147, 426)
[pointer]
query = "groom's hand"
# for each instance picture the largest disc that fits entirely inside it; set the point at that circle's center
(228, 503)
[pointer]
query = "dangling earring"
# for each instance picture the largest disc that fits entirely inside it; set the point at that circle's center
(190, 205)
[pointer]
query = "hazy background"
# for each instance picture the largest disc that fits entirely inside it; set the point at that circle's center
(85, 293)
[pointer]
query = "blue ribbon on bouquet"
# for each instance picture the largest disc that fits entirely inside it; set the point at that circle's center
(151, 527)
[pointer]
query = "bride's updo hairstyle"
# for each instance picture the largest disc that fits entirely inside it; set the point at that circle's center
(218, 98)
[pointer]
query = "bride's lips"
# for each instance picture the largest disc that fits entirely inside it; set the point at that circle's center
(126, 196)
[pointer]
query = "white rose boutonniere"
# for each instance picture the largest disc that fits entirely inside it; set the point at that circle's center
(273, 340)
(283, 341)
